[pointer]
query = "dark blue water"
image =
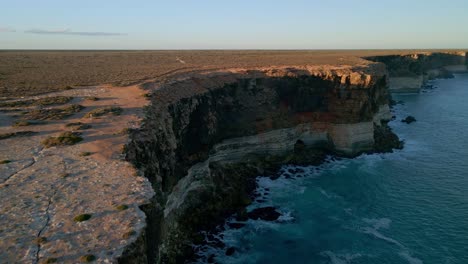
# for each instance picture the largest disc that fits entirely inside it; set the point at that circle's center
(410, 206)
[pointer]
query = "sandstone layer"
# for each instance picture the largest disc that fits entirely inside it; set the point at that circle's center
(206, 134)
(408, 73)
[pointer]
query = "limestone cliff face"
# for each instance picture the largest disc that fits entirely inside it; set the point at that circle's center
(206, 137)
(408, 73)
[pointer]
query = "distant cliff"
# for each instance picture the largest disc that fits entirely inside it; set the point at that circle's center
(408, 73)
(208, 136)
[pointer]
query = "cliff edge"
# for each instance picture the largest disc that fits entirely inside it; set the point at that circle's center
(204, 137)
(207, 136)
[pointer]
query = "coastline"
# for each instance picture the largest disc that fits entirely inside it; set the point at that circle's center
(206, 136)
(200, 182)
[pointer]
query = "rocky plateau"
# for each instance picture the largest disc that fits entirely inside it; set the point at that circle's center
(196, 143)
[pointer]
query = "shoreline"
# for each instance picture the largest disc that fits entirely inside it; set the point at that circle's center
(235, 123)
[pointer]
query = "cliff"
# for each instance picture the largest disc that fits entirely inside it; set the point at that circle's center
(207, 134)
(206, 138)
(408, 73)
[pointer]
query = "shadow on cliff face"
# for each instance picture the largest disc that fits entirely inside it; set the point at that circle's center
(197, 187)
(419, 64)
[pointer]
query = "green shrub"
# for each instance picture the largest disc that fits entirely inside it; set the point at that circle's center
(41, 240)
(54, 100)
(114, 110)
(122, 207)
(78, 125)
(82, 217)
(85, 153)
(87, 258)
(129, 234)
(17, 134)
(65, 138)
(53, 113)
(21, 123)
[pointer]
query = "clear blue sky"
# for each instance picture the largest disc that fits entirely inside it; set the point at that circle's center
(234, 24)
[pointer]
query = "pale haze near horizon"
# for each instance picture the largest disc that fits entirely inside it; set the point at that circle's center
(203, 24)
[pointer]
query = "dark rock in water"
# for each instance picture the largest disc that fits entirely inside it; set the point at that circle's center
(242, 215)
(217, 243)
(230, 251)
(236, 225)
(385, 140)
(265, 213)
(198, 239)
(296, 170)
(275, 176)
(409, 120)
(211, 259)
(214, 241)
(261, 200)
(393, 102)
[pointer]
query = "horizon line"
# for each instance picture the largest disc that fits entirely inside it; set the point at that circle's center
(241, 49)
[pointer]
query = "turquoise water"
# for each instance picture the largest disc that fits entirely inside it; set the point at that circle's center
(410, 206)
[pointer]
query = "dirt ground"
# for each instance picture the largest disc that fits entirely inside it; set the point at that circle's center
(24, 73)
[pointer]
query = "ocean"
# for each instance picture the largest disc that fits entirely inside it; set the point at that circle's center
(410, 206)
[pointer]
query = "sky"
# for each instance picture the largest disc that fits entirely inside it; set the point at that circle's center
(234, 24)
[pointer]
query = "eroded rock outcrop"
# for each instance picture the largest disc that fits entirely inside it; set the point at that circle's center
(408, 73)
(208, 136)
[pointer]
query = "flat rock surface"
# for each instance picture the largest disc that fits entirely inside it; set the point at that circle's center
(43, 189)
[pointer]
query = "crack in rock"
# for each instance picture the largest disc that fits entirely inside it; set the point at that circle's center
(44, 227)
(34, 159)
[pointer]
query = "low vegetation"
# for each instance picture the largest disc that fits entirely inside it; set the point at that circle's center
(82, 217)
(5, 161)
(21, 123)
(122, 207)
(50, 260)
(124, 131)
(53, 113)
(17, 134)
(78, 126)
(54, 100)
(41, 240)
(65, 138)
(87, 258)
(85, 154)
(123, 149)
(91, 98)
(114, 110)
(129, 234)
